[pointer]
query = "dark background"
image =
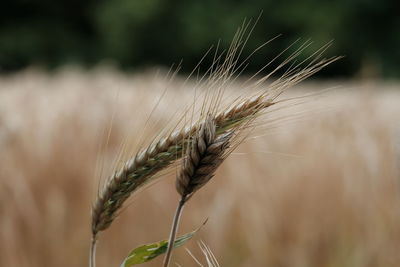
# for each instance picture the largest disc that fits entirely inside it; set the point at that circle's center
(135, 34)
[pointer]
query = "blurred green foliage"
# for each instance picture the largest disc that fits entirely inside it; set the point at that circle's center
(137, 33)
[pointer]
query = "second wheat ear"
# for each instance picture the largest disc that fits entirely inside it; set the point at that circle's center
(204, 155)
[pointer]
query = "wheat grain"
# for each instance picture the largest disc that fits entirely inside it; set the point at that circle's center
(206, 153)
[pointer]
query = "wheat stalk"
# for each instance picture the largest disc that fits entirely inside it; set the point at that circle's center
(140, 169)
(161, 154)
(204, 155)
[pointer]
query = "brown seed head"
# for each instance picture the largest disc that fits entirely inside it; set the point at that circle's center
(203, 156)
(139, 170)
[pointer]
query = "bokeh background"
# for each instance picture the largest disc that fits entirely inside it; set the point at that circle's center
(134, 34)
(316, 185)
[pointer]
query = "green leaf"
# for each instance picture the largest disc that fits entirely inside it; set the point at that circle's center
(148, 252)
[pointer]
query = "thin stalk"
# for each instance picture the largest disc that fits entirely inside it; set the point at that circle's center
(174, 229)
(92, 255)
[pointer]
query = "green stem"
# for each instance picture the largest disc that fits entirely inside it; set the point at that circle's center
(92, 256)
(174, 229)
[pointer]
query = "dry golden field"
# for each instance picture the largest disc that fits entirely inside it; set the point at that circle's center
(317, 185)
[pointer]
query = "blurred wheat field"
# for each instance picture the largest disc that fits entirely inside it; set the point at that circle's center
(319, 186)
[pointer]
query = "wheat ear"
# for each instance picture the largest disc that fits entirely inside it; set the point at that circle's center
(168, 149)
(158, 156)
(204, 155)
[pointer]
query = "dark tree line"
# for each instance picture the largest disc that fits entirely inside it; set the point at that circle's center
(137, 33)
